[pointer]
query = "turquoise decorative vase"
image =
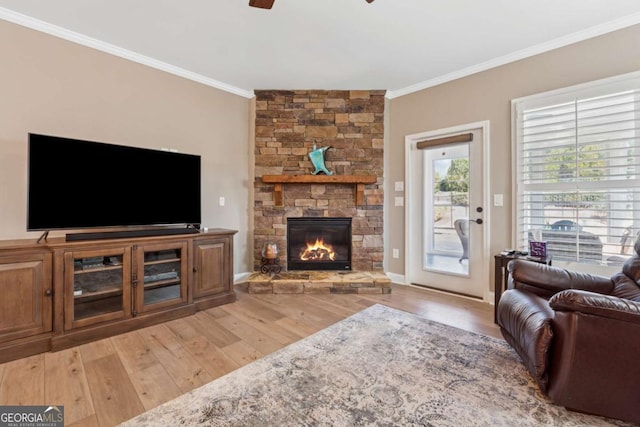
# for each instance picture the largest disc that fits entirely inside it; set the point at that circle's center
(317, 158)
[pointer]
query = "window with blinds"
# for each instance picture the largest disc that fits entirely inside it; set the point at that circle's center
(578, 181)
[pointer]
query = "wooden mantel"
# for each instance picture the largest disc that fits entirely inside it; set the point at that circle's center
(358, 180)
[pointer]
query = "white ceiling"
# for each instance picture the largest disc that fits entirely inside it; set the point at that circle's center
(397, 45)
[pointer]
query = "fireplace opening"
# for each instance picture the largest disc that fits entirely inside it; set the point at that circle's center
(318, 243)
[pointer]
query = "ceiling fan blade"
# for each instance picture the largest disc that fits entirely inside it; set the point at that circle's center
(264, 4)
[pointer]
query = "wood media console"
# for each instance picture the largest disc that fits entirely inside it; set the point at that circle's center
(58, 294)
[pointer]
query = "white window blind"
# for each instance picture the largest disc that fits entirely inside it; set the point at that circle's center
(578, 171)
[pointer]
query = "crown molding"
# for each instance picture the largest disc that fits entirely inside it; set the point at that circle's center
(576, 37)
(54, 30)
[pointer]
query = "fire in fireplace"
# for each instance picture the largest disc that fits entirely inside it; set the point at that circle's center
(318, 243)
(318, 251)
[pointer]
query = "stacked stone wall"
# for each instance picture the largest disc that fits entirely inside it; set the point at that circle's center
(288, 123)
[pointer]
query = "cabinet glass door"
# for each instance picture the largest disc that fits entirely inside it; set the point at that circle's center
(161, 276)
(100, 286)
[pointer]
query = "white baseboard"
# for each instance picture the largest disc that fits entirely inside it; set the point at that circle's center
(396, 278)
(240, 278)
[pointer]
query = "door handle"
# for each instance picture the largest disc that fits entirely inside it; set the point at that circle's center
(477, 221)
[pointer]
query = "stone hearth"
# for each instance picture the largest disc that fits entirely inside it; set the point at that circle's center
(319, 282)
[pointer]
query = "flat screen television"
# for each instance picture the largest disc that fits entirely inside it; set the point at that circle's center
(78, 184)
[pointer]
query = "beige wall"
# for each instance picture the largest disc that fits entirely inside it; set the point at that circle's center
(487, 96)
(52, 86)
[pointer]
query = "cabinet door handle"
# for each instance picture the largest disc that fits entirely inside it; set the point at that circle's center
(48, 292)
(195, 269)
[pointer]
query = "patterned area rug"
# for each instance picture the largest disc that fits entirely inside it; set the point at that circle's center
(379, 367)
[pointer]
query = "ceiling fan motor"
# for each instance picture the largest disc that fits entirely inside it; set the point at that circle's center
(268, 4)
(262, 4)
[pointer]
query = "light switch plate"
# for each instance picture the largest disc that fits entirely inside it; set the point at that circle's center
(399, 201)
(399, 185)
(498, 200)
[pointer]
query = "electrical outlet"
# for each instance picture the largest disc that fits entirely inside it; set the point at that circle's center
(221, 201)
(396, 253)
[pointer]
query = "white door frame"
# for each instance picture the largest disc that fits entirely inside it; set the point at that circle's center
(409, 219)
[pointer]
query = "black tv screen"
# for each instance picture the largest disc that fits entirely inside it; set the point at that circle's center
(76, 184)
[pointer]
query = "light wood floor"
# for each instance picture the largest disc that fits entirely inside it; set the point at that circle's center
(109, 381)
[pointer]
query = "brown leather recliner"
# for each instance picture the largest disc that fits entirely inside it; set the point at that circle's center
(578, 334)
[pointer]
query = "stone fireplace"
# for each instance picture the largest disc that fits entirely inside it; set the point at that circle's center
(319, 244)
(288, 124)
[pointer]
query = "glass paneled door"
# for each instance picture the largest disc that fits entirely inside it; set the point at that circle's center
(445, 207)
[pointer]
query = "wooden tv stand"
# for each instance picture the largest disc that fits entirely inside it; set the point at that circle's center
(58, 294)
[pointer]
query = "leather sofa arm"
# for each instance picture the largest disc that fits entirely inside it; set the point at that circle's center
(596, 304)
(545, 280)
(525, 323)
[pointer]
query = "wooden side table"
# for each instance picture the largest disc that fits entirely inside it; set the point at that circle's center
(501, 276)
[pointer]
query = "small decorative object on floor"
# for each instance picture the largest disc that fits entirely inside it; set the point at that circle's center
(270, 263)
(317, 158)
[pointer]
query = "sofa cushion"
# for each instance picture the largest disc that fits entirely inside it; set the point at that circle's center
(604, 306)
(525, 323)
